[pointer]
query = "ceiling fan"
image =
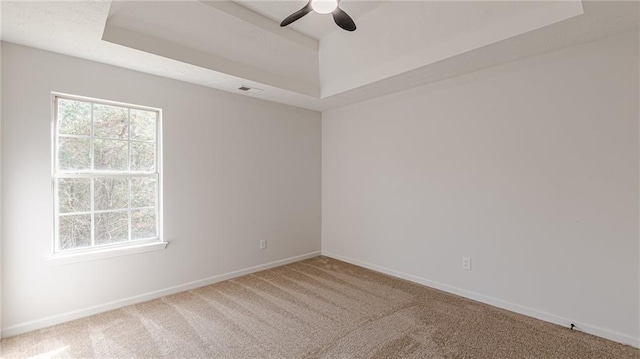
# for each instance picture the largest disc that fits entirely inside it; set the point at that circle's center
(323, 7)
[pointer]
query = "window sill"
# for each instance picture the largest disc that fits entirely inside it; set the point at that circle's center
(67, 258)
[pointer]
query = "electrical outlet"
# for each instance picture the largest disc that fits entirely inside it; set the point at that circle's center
(263, 244)
(466, 263)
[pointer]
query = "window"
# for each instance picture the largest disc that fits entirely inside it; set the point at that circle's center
(106, 174)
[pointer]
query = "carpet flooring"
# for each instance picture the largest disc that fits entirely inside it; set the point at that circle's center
(317, 308)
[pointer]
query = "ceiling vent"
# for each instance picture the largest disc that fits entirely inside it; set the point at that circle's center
(250, 89)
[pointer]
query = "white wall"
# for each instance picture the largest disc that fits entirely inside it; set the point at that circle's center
(530, 168)
(236, 170)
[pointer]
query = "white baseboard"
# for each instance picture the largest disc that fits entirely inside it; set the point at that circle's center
(534, 313)
(85, 312)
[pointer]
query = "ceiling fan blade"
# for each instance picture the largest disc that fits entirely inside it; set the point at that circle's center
(297, 15)
(343, 20)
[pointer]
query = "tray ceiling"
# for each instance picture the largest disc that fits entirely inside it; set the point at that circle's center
(314, 64)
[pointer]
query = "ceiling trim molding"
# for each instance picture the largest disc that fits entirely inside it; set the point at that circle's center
(253, 18)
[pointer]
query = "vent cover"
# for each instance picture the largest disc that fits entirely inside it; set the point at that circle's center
(250, 89)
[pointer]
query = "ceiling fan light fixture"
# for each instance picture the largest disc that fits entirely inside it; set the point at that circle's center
(324, 6)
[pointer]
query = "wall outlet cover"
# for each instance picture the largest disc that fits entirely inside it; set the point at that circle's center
(466, 263)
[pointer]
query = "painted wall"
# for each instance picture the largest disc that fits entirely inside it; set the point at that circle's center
(530, 168)
(236, 170)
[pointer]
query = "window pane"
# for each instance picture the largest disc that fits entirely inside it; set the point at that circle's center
(93, 140)
(74, 117)
(110, 155)
(143, 223)
(74, 153)
(110, 121)
(143, 156)
(143, 192)
(74, 195)
(143, 125)
(75, 231)
(111, 193)
(111, 227)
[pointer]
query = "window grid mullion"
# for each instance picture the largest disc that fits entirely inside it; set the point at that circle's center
(74, 213)
(74, 136)
(129, 168)
(105, 138)
(93, 215)
(101, 211)
(93, 181)
(92, 145)
(104, 174)
(157, 177)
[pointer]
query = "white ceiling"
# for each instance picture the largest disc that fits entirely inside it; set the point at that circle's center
(267, 57)
(312, 64)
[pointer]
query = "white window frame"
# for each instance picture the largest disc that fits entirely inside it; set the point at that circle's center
(119, 248)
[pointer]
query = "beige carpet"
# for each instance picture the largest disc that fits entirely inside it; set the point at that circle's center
(318, 308)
